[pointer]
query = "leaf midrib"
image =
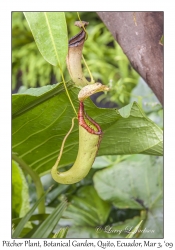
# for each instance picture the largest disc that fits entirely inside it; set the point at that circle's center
(52, 39)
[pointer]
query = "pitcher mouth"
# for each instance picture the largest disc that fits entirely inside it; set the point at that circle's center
(91, 89)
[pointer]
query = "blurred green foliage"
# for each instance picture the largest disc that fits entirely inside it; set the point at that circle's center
(105, 58)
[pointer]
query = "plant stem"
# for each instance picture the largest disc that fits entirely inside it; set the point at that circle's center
(92, 80)
(36, 180)
(83, 26)
(62, 145)
(62, 76)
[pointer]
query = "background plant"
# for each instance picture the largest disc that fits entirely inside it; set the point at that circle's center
(41, 118)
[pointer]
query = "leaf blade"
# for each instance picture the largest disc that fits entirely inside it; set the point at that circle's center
(50, 33)
(48, 225)
(61, 233)
(20, 193)
(87, 208)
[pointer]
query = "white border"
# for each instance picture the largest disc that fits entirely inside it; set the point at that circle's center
(5, 94)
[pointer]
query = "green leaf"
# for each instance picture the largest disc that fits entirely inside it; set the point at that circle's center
(26, 218)
(20, 194)
(101, 162)
(35, 217)
(87, 208)
(148, 101)
(50, 33)
(49, 224)
(136, 183)
(61, 233)
(41, 121)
